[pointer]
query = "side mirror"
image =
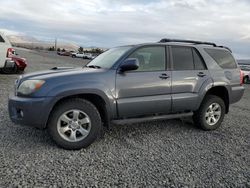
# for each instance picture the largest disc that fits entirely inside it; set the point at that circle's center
(129, 64)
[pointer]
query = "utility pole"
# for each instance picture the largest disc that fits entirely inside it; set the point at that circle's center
(55, 44)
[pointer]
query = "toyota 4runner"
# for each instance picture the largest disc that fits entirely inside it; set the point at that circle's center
(167, 79)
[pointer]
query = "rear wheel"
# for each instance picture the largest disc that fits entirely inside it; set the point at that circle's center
(75, 124)
(10, 70)
(210, 114)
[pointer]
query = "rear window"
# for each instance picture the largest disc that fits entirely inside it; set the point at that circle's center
(223, 58)
(1, 39)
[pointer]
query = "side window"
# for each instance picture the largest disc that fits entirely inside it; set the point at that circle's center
(1, 39)
(182, 58)
(223, 58)
(150, 58)
(198, 61)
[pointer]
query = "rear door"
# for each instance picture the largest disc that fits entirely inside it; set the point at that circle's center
(146, 90)
(189, 72)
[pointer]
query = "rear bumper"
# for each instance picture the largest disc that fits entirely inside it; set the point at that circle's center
(29, 111)
(20, 63)
(237, 93)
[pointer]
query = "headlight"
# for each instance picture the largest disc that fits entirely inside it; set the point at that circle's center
(30, 86)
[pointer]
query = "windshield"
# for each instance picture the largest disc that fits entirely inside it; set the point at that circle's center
(107, 59)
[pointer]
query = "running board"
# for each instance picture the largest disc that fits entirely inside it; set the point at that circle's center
(150, 118)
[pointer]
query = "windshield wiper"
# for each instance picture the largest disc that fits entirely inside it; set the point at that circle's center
(94, 66)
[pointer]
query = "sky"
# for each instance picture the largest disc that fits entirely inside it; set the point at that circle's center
(109, 23)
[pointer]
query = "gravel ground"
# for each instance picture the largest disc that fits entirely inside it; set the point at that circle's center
(169, 153)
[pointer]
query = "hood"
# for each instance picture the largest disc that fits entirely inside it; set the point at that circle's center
(59, 72)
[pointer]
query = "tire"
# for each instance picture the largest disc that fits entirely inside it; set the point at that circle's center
(68, 134)
(245, 80)
(208, 112)
(10, 70)
(73, 56)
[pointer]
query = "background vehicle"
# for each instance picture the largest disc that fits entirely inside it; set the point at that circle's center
(64, 53)
(78, 55)
(168, 79)
(9, 61)
(246, 73)
(88, 56)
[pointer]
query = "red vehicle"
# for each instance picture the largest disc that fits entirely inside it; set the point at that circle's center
(14, 64)
(20, 63)
(9, 61)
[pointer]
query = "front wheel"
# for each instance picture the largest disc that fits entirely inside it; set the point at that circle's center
(74, 124)
(210, 114)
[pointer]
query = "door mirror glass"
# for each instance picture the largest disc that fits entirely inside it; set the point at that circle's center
(129, 64)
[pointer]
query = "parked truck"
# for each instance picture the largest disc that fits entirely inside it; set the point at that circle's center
(9, 61)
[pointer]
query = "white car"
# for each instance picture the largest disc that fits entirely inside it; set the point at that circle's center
(9, 61)
(78, 54)
(88, 56)
(6, 50)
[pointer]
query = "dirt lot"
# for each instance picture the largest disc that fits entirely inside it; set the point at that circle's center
(161, 153)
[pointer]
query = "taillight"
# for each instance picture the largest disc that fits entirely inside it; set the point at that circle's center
(10, 52)
(241, 77)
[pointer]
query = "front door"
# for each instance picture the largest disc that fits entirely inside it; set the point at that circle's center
(146, 90)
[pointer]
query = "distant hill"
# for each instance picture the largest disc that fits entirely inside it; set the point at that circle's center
(244, 61)
(33, 43)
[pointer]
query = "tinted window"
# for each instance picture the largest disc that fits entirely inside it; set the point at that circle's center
(198, 61)
(1, 39)
(150, 58)
(222, 57)
(182, 58)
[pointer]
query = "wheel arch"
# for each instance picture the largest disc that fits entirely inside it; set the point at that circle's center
(97, 100)
(220, 91)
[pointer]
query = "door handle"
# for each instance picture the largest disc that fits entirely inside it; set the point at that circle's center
(164, 76)
(201, 74)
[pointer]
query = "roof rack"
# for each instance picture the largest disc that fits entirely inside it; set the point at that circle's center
(193, 42)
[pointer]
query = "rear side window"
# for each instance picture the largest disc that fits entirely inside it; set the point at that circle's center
(1, 39)
(223, 58)
(182, 58)
(198, 61)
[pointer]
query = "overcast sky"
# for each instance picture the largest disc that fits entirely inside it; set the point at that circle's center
(108, 23)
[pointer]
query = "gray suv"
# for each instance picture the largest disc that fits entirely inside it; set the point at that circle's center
(167, 79)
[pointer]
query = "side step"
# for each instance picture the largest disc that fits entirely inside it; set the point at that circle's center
(150, 118)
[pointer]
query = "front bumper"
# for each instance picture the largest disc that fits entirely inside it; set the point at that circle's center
(29, 111)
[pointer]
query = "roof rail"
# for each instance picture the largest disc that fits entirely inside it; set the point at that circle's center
(225, 48)
(193, 42)
(187, 41)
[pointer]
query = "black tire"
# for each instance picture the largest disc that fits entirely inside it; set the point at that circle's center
(245, 80)
(79, 104)
(199, 115)
(73, 56)
(12, 70)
